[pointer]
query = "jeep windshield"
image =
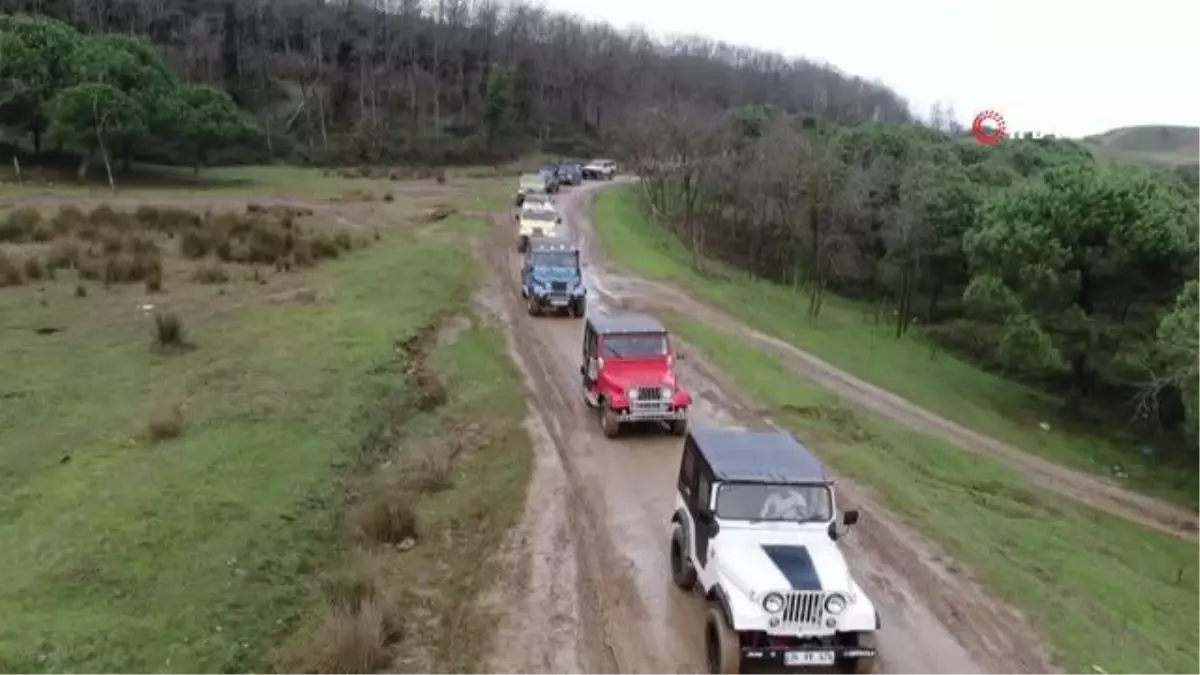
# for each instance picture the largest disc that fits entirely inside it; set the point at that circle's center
(555, 259)
(635, 346)
(539, 215)
(771, 502)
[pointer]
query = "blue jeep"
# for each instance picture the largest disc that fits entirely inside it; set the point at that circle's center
(552, 278)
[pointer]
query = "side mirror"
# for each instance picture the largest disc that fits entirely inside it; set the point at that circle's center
(708, 521)
(516, 216)
(850, 518)
(558, 221)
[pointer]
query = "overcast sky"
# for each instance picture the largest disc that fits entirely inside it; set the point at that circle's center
(1054, 66)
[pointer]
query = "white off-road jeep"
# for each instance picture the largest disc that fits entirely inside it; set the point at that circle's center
(755, 530)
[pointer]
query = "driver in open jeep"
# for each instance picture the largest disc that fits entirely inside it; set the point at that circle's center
(755, 530)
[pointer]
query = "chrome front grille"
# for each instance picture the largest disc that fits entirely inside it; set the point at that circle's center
(803, 609)
(649, 394)
(558, 286)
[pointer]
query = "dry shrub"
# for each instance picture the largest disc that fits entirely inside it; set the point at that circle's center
(34, 270)
(389, 197)
(302, 254)
(343, 241)
(434, 470)
(43, 231)
(269, 242)
(69, 218)
(212, 273)
(90, 267)
(438, 213)
(105, 216)
(195, 244)
(439, 175)
(385, 516)
(168, 218)
(147, 216)
(168, 330)
(10, 272)
(165, 422)
(63, 253)
(324, 246)
(131, 267)
(154, 279)
(353, 642)
(80, 291)
(19, 224)
(255, 208)
(111, 240)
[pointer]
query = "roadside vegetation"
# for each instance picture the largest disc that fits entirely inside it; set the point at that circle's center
(230, 444)
(946, 310)
(1106, 594)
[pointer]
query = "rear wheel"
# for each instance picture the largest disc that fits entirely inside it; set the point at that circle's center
(609, 423)
(721, 644)
(866, 664)
(683, 573)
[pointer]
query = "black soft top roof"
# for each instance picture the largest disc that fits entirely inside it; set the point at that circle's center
(606, 324)
(762, 456)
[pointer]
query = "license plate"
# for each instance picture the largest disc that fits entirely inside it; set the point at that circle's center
(808, 658)
(559, 303)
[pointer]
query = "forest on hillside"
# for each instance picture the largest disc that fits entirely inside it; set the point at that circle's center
(1031, 256)
(360, 81)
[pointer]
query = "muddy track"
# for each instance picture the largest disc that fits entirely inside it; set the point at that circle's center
(593, 591)
(1090, 489)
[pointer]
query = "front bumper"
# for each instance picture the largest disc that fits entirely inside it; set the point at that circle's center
(816, 656)
(555, 300)
(666, 413)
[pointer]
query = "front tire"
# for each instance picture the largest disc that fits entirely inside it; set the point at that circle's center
(578, 308)
(865, 665)
(531, 306)
(721, 644)
(678, 427)
(609, 423)
(683, 573)
(522, 244)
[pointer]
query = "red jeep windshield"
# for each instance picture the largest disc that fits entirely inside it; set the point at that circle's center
(636, 346)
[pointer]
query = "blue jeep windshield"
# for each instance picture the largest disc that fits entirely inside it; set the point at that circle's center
(558, 259)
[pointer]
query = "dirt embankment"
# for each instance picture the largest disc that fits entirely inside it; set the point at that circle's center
(594, 577)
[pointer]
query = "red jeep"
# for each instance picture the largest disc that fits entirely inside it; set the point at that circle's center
(628, 373)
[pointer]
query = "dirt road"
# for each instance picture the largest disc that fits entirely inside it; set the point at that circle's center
(593, 591)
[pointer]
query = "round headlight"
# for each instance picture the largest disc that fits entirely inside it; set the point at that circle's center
(667, 393)
(773, 603)
(632, 393)
(835, 603)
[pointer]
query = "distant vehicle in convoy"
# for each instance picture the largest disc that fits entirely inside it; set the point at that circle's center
(539, 200)
(629, 373)
(570, 173)
(549, 173)
(531, 183)
(552, 277)
(535, 221)
(600, 169)
(755, 529)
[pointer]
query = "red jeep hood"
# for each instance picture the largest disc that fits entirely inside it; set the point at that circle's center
(638, 373)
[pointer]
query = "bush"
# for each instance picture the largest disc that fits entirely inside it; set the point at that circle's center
(19, 225)
(68, 219)
(213, 273)
(168, 330)
(63, 253)
(194, 244)
(386, 517)
(165, 423)
(80, 291)
(34, 269)
(10, 273)
(104, 216)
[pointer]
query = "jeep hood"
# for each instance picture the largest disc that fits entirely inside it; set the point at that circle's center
(639, 373)
(546, 274)
(797, 559)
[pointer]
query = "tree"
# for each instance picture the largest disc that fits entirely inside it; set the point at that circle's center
(206, 118)
(96, 117)
(499, 97)
(1178, 349)
(36, 62)
(1058, 262)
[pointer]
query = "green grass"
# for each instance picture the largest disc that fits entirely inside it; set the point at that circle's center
(199, 553)
(1100, 590)
(845, 335)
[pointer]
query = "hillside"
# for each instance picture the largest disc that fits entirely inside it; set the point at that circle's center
(1155, 144)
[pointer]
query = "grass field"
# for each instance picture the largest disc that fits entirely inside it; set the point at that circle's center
(1102, 592)
(289, 486)
(846, 336)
